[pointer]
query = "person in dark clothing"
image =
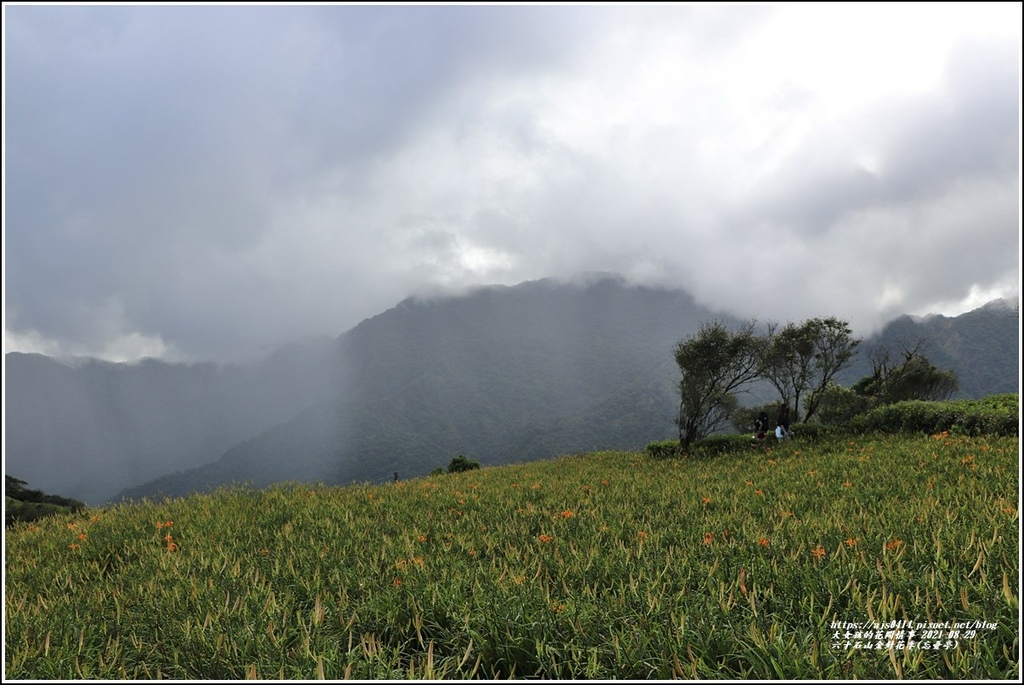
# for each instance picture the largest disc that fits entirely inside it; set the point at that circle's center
(761, 426)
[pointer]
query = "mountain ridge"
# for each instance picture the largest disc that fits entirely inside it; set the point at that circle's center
(498, 373)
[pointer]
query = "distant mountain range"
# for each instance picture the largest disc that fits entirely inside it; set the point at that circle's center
(500, 375)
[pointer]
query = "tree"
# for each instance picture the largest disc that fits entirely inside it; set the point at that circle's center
(801, 360)
(715, 364)
(14, 487)
(838, 405)
(460, 464)
(911, 376)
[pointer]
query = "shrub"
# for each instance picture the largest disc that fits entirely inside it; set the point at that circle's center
(813, 432)
(460, 464)
(839, 405)
(997, 415)
(664, 449)
(724, 444)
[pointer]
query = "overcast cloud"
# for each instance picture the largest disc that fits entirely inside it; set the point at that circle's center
(208, 182)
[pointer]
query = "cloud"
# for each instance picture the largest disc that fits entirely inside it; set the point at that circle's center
(208, 182)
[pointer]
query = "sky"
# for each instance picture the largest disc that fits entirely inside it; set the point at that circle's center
(209, 182)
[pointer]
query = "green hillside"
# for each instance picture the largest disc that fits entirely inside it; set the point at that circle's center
(499, 374)
(607, 565)
(509, 374)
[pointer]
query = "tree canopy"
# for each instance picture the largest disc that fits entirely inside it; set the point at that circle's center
(801, 359)
(715, 364)
(906, 375)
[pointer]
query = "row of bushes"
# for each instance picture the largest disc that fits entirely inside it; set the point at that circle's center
(995, 415)
(998, 415)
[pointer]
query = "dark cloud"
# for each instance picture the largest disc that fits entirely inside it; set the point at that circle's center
(211, 181)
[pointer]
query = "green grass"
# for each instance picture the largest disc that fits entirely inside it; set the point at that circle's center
(601, 566)
(17, 510)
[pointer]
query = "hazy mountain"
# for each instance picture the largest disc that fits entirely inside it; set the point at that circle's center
(88, 429)
(981, 347)
(499, 375)
(502, 374)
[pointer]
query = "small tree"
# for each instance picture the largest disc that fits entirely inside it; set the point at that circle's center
(911, 376)
(460, 463)
(715, 364)
(14, 487)
(837, 405)
(801, 360)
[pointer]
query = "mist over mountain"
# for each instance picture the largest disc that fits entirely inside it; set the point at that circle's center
(501, 374)
(93, 428)
(982, 347)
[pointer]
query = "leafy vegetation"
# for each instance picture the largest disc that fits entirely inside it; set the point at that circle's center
(802, 359)
(913, 377)
(715, 364)
(457, 465)
(609, 565)
(24, 504)
(993, 416)
(996, 415)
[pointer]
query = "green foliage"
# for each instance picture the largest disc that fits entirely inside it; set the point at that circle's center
(997, 415)
(912, 378)
(664, 449)
(815, 432)
(460, 464)
(605, 566)
(838, 405)
(800, 361)
(24, 504)
(19, 511)
(715, 364)
(716, 445)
